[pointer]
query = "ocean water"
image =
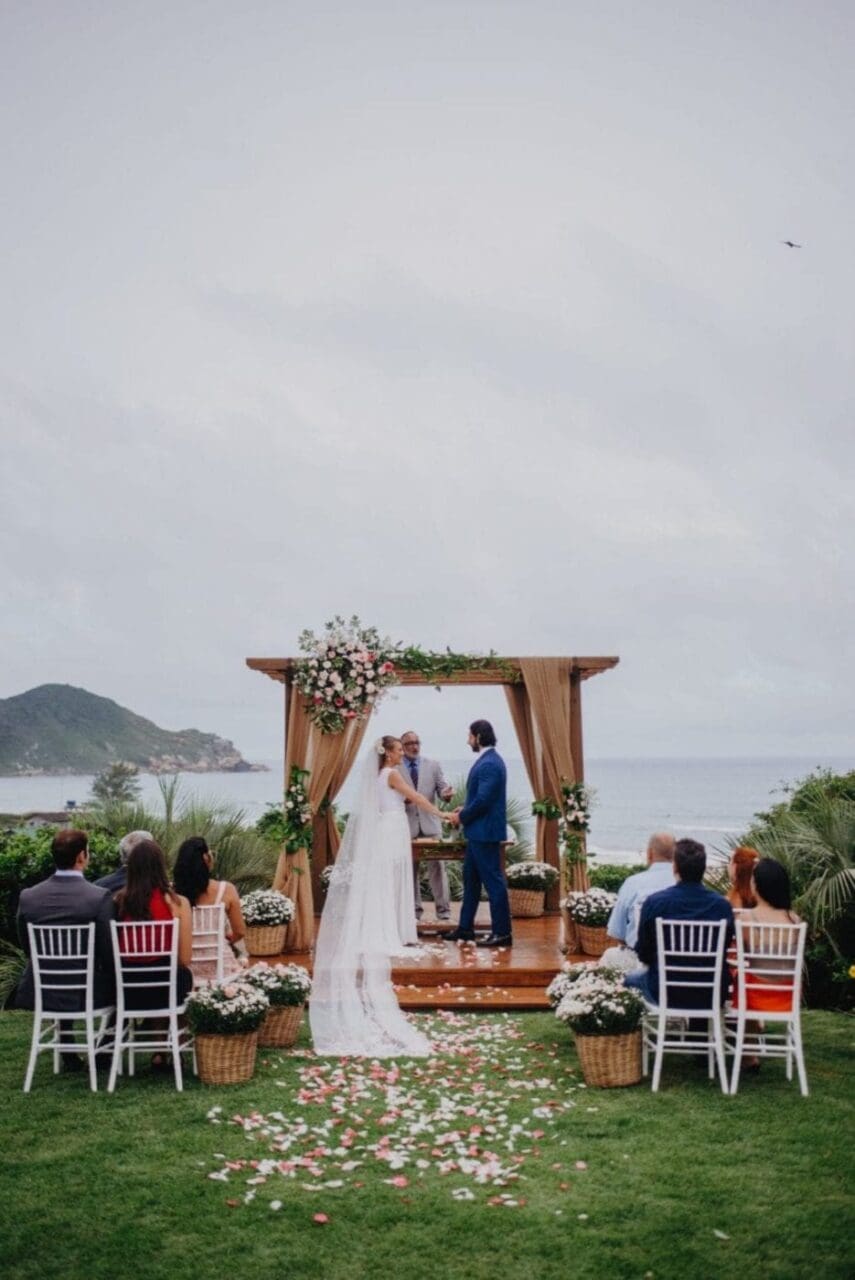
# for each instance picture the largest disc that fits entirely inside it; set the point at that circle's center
(710, 800)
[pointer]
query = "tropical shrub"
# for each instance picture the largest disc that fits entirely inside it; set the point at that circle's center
(25, 859)
(610, 876)
(242, 855)
(812, 833)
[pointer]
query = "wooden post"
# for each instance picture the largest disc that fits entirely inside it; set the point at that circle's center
(578, 754)
(576, 749)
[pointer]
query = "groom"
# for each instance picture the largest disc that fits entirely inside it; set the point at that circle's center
(483, 818)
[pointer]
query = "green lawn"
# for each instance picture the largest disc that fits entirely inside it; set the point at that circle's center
(579, 1183)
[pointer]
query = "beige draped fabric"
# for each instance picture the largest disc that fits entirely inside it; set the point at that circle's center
(329, 757)
(541, 712)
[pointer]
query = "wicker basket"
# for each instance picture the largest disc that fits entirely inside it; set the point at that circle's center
(526, 902)
(594, 938)
(281, 1026)
(610, 1061)
(265, 939)
(226, 1059)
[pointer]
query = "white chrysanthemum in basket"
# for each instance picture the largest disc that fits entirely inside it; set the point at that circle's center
(532, 875)
(267, 907)
(226, 1008)
(599, 1005)
(592, 908)
(563, 981)
(283, 984)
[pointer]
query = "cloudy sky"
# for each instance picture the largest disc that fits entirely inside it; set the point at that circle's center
(471, 318)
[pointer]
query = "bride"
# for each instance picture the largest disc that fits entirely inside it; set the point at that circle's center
(368, 917)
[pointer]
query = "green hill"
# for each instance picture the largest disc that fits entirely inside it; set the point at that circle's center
(59, 729)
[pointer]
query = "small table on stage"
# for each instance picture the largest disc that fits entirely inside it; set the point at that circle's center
(427, 849)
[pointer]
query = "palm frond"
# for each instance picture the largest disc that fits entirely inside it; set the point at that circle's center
(12, 965)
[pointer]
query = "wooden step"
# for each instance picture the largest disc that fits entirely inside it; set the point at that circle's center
(490, 999)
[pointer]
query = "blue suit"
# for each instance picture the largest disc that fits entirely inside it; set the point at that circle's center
(680, 902)
(484, 822)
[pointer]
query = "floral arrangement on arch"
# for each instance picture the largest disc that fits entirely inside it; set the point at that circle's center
(529, 874)
(267, 907)
(285, 985)
(575, 820)
(226, 1008)
(344, 672)
(564, 979)
(591, 908)
(598, 1004)
(297, 811)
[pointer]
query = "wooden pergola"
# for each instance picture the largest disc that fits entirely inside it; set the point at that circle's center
(535, 687)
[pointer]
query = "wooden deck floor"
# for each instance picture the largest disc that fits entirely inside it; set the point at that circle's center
(447, 975)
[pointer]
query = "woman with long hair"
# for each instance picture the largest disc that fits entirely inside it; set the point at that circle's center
(771, 884)
(147, 896)
(369, 916)
(192, 877)
(740, 869)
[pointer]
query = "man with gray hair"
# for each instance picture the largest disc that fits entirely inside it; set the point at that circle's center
(116, 879)
(426, 777)
(623, 922)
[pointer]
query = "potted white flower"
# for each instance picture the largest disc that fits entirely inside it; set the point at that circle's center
(266, 913)
(605, 1017)
(225, 1017)
(590, 912)
(564, 979)
(287, 987)
(527, 884)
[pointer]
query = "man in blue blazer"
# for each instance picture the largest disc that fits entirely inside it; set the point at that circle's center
(484, 822)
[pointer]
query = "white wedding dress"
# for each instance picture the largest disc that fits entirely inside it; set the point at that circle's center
(368, 917)
(395, 853)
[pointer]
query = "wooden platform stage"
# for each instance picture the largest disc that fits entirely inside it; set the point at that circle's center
(448, 975)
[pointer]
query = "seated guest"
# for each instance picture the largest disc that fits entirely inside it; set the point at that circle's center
(659, 874)
(192, 879)
(67, 897)
(687, 899)
(116, 879)
(771, 885)
(147, 896)
(740, 869)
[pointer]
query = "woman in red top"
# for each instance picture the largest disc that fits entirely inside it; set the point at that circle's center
(766, 993)
(147, 896)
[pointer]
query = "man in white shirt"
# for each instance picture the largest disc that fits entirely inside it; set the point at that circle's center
(659, 874)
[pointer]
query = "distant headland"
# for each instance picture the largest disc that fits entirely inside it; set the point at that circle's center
(57, 729)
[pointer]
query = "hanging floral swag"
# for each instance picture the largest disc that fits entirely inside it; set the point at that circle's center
(297, 827)
(347, 669)
(573, 813)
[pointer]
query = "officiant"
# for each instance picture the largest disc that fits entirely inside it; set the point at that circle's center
(426, 777)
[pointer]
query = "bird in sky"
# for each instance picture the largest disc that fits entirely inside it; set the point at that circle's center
(791, 244)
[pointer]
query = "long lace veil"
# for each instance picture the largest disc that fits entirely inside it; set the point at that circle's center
(353, 1010)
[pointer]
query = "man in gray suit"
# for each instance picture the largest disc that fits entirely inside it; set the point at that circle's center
(67, 897)
(117, 879)
(426, 777)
